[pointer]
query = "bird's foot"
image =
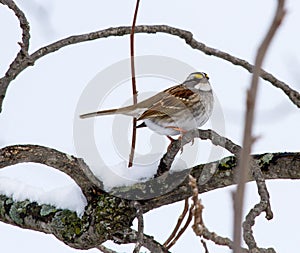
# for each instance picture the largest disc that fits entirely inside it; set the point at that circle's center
(182, 131)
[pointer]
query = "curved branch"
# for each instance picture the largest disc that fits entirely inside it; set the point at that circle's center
(23, 23)
(216, 139)
(22, 56)
(70, 165)
(12, 73)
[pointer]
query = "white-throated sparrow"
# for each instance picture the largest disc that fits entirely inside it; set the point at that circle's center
(175, 110)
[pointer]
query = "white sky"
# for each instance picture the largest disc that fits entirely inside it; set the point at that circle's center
(40, 104)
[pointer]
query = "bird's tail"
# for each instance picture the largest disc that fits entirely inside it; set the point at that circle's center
(99, 113)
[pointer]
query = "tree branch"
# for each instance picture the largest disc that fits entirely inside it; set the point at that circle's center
(248, 138)
(106, 217)
(179, 222)
(168, 158)
(140, 235)
(199, 228)
(22, 55)
(133, 81)
(13, 72)
(68, 164)
(23, 24)
(219, 174)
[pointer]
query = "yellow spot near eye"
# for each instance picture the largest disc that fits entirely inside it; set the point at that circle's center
(198, 76)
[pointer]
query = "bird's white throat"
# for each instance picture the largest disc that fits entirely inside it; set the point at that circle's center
(203, 86)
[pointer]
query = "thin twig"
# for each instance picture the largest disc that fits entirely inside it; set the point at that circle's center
(204, 246)
(247, 142)
(179, 221)
(133, 81)
(131, 236)
(182, 230)
(197, 207)
(140, 235)
(198, 226)
(219, 240)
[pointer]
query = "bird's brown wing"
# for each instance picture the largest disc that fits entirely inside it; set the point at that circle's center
(175, 100)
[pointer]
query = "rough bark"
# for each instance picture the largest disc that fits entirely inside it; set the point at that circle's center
(108, 217)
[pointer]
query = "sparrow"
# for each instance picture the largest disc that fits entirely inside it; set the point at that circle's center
(174, 111)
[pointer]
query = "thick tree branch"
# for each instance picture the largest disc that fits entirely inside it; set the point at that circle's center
(68, 164)
(217, 174)
(103, 219)
(106, 217)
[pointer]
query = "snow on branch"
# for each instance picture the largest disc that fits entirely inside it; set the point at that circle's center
(70, 165)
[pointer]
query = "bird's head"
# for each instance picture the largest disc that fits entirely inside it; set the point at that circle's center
(198, 80)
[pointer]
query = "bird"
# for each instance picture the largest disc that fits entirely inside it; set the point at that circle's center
(176, 110)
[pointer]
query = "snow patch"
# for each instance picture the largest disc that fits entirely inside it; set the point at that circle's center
(67, 197)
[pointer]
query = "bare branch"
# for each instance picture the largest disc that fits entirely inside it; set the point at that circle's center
(23, 24)
(133, 81)
(22, 55)
(263, 205)
(179, 222)
(168, 158)
(12, 73)
(219, 240)
(197, 207)
(204, 246)
(68, 164)
(182, 230)
(199, 228)
(247, 142)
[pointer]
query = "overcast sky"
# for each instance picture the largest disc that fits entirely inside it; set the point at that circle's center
(41, 105)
